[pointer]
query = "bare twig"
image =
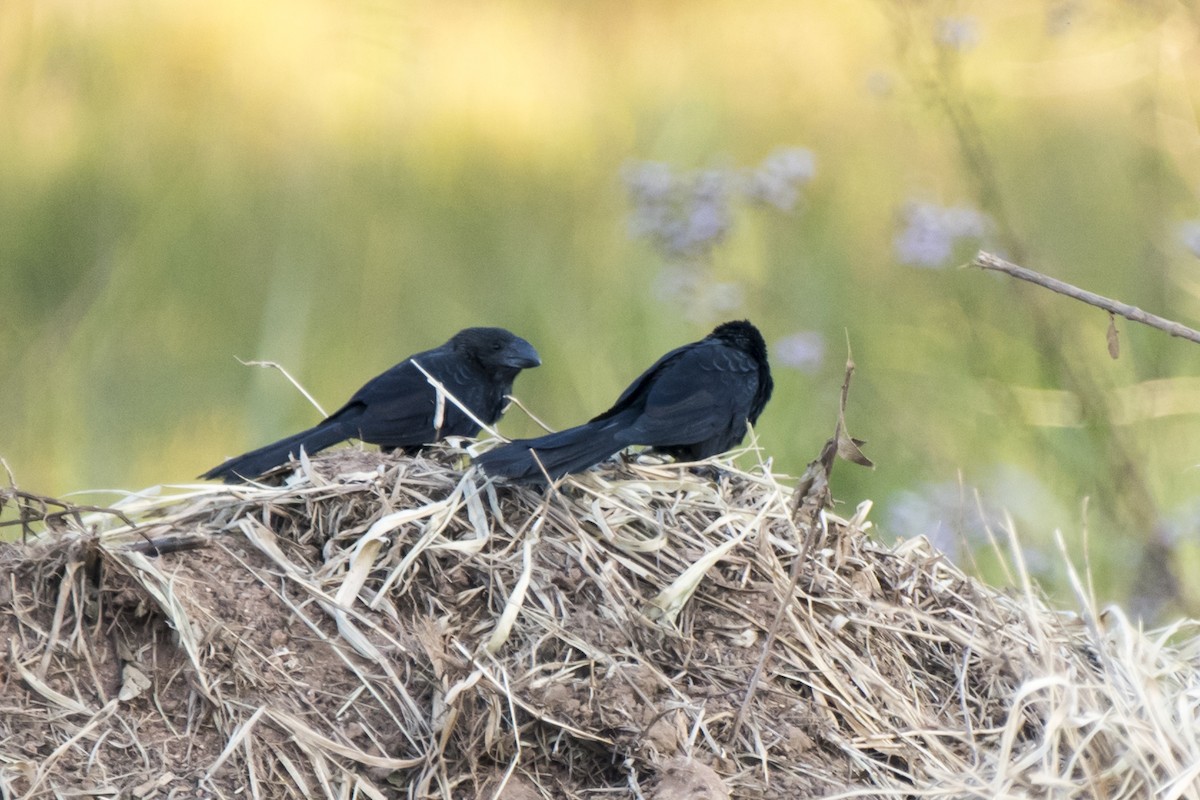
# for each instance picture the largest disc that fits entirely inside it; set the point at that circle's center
(985, 260)
(444, 394)
(32, 508)
(513, 399)
(288, 375)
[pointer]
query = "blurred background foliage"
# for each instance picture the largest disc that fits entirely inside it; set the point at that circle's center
(335, 185)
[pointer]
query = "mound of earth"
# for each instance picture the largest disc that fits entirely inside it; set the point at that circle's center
(386, 626)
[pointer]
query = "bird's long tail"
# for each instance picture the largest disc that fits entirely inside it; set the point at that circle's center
(559, 454)
(250, 465)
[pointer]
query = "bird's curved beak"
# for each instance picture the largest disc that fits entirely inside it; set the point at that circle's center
(521, 355)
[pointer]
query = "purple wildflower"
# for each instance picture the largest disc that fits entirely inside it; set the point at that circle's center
(958, 33)
(781, 175)
(685, 214)
(931, 232)
(699, 297)
(803, 351)
(945, 513)
(1189, 235)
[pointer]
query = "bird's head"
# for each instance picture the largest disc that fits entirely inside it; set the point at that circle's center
(496, 348)
(744, 336)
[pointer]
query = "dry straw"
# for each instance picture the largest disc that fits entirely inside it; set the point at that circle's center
(396, 627)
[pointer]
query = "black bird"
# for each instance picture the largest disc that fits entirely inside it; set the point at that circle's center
(693, 403)
(400, 408)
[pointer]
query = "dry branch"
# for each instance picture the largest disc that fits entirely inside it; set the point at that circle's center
(987, 261)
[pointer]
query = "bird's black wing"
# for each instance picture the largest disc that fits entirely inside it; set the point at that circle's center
(399, 408)
(702, 395)
(634, 393)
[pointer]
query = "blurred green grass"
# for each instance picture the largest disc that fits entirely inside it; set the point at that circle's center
(334, 186)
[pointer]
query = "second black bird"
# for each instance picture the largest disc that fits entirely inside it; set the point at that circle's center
(401, 408)
(693, 402)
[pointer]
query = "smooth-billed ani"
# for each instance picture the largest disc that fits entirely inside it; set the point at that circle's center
(692, 403)
(401, 408)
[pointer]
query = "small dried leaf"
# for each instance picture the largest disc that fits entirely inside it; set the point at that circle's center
(1114, 343)
(850, 449)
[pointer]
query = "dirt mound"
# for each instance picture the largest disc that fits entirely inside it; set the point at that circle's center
(394, 627)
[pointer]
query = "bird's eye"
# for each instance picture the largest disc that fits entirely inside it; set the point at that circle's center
(497, 346)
